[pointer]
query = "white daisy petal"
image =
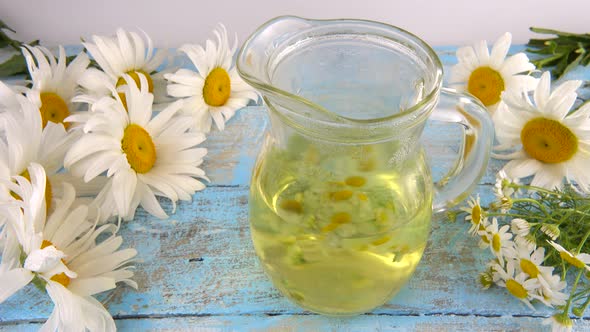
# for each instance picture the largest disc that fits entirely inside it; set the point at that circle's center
(124, 183)
(542, 92)
(91, 286)
(151, 205)
(481, 50)
(181, 91)
(516, 64)
(500, 50)
(12, 281)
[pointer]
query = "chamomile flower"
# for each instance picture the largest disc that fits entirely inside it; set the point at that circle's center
(504, 191)
(559, 323)
(484, 242)
(552, 143)
(520, 227)
(499, 240)
(486, 75)
(144, 157)
(475, 214)
(63, 253)
(580, 260)
(54, 83)
(520, 286)
(529, 260)
(127, 53)
(26, 141)
(551, 290)
(216, 91)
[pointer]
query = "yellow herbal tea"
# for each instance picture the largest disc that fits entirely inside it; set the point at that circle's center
(339, 232)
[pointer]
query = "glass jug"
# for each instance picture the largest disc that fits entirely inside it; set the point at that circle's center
(341, 196)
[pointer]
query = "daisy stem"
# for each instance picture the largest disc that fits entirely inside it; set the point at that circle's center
(584, 306)
(578, 211)
(516, 215)
(566, 309)
(563, 270)
(533, 201)
(533, 188)
(581, 294)
(582, 242)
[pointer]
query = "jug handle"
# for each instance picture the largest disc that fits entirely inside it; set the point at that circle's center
(463, 109)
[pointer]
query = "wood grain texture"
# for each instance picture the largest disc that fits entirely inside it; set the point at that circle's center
(293, 323)
(198, 269)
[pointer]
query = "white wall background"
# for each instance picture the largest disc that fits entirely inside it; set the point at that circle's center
(171, 23)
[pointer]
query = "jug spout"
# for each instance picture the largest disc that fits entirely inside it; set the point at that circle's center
(341, 72)
(257, 64)
(258, 50)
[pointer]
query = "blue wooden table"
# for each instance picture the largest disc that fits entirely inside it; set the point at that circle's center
(198, 270)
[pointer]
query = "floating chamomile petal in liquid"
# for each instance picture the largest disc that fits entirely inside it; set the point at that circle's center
(338, 232)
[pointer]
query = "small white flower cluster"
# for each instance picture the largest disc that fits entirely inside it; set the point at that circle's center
(518, 260)
(84, 145)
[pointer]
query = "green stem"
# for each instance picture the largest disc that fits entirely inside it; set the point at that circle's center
(537, 189)
(532, 201)
(566, 216)
(584, 306)
(583, 241)
(578, 211)
(563, 270)
(569, 300)
(516, 215)
(582, 294)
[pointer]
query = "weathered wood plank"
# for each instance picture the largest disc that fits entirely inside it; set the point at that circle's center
(201, 262)
(285, 323)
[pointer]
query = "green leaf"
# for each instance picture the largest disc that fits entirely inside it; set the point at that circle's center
(559, 33)
(548, 61)
(559, 69)
(4, 26)
(16, 65)
(565, 52)
(574, 63)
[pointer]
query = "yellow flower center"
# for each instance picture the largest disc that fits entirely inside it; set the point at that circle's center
(217, 87)
(486, 84)
(548, 140)
(139, 148)
(571, 259)
(529, 268)
(355, 181)
(292, 205)
(516, 289)
(341, 195)
(48, 191)
(337, 220)
(61, 278)
(53, 108)
(135, 76)
(476, 214)
(496, 245)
